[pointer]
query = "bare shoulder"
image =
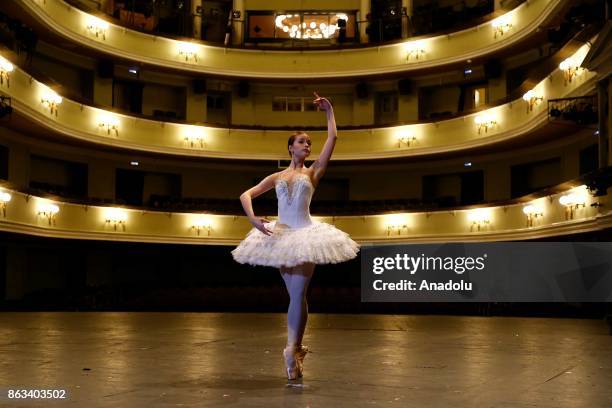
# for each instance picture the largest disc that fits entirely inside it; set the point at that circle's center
(275, 176)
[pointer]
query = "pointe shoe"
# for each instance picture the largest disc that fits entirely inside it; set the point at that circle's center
(300, 355)
(291, 366)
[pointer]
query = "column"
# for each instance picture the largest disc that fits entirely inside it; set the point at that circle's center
(197, 18)
(196, 106)
(364, 10)
(239, 24)
(406, 29)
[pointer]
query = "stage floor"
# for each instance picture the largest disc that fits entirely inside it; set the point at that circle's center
(234, 360)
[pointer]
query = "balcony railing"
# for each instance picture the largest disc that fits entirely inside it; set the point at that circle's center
(581, 110)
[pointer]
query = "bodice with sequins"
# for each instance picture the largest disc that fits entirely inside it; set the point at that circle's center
(294, 201)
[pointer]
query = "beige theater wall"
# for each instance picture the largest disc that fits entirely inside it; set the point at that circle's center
(36, 216)
(407, 56)
(96, 125)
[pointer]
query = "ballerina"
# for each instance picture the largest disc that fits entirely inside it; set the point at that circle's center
(295, 243)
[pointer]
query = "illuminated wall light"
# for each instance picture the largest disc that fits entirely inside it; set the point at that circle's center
(532, 212)
(51, 100)
(188, 50)
(572, 202)
(109, 123)
(195, 136)
(5, 69)
(414, 49)
(405, 137)
(570, 69)
(48, 210)
(202, 223)
(479, 217)
(4, 200)
(501, 25)
(97, 27)
(396, 223)
(532, 99)
(485, 122)
(116, 216)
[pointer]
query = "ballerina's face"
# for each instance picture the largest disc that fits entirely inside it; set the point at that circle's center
(301, 146)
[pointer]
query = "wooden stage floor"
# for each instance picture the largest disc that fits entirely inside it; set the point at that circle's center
(125, 359)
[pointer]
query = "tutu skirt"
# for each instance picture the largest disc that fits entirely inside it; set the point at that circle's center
(319, 243)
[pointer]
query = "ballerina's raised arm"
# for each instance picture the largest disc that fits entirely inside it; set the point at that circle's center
(320, 165)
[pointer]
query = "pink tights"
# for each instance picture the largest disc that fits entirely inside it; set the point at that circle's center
(296, 280)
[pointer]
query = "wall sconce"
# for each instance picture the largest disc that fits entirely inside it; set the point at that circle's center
(5, 69)
(479, 217)
(414, 49)
(109, 122)
(51, 100)
(485, 122)
(571, 202)
(406, 138)
(532, 212)
(202, 223)
(48, 211)
(501, 25)
(532, 99)
(189, 51)
(4, 199)
(97, 27)
(396, 227)
(396, 223)
(194, 135)
(116, 216)
(570, 70)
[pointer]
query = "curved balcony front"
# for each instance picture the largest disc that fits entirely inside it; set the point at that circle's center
(35, 101)
(418, 54)
(571, 211)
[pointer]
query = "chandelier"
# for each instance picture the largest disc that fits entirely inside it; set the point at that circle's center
(323, 28)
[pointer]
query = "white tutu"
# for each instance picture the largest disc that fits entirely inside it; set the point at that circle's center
(319, 243)
(296, 237)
